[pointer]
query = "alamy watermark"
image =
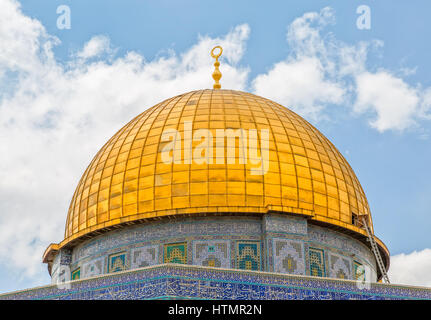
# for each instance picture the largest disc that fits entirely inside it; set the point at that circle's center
(364, 20)
(62, 280)
(226, 146)
(64, 19)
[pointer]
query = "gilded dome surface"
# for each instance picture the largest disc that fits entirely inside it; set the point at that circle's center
(127, 181)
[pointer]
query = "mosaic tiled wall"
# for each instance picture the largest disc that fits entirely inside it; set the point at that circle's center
(144, 256)
(248, 255)
(288, 242)
(357, 270)
(117, 262)
(175, 253)
(339, 267)
(212, 253)
(76, 274)
(191, 282)
(275, 243)
(341, 242)
(61, 267)
(288, 256)
(93, 268)
(316, 259)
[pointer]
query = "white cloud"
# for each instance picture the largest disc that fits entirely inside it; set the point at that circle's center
(21, 38)
(55, 117)
(304, 35)
(425, 108)
(299, 84)
(321, 71)
(393, 100)
(411, 269)
(308, 79)
(95, 47)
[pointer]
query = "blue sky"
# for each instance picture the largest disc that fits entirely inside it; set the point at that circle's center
(390, 157)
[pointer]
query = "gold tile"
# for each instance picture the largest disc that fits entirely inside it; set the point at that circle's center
(236, 187)
(181, 189)
(217, 187)
(254, 188)
(198, 188)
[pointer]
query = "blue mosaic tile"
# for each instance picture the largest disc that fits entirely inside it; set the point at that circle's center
(213, 241)
(188, 282)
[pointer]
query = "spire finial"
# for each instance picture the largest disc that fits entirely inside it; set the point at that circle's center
(216, 73)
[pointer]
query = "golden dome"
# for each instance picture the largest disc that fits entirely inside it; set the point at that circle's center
(127, 182)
